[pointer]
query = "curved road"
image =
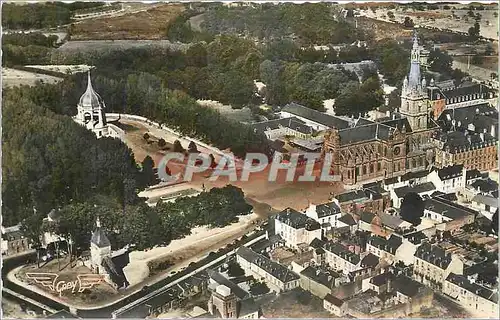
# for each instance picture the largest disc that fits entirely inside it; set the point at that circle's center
(105, 312)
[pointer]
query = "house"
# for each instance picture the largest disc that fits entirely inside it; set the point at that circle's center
(320, 280)
(384, 224)
(412, 177)
(346, 221)
(278, 277)
(448, 179)
(365, 221)
(14, 241)
(398, 194)
(384, 248)
(296, 228)
(224, 304)
(480, 301)
(334, 305)
(406, 251)
(432, 265)
(279, 128)
(486, 204)
(373, 198)
(447, 215)
(325, 214)
(389, 296)
(340, 259)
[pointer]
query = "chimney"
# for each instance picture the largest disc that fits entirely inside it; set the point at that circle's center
(459, 124)
(469, 139)
(318, 272)
(387, 113)
(482, 136)
(493, 131)
(393, 116)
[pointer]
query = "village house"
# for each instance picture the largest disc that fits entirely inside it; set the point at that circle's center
(433, 265)
(372, 198)
(296, 228)
(340, 259)
(320, 281)
(384, 224)
(448, 179)
(346, 221)
(278, 277)
(422, 189)
(334, 305)
(224, 304)
(480, 301)
(410, 178)
(384, 248)
(13, 241)
(389, 296)
(325, 214)
(447, 215)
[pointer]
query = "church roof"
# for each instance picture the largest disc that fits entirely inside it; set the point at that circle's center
(99, 238)
(90, 98)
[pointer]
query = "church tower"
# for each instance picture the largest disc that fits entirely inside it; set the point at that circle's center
(100, 248)
(91, 111)
(413, 93)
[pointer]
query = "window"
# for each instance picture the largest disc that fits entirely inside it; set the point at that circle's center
(364, 169)
(371, 167)
(379, 166)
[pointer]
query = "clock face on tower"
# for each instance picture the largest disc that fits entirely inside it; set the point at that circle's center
(397, 151)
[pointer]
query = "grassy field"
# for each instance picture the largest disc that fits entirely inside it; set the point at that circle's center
(149, 24)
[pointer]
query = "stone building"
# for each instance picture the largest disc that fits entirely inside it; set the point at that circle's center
(296, 228)
(13, 241)
(388, 147)
(480, 301)
(433, 265)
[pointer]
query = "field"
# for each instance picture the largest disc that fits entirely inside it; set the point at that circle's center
(14, 77)
(441, 18)
(148, 24)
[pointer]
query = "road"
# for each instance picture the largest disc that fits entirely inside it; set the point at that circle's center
(106, 311)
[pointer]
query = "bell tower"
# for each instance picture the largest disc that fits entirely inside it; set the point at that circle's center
(91, 111)
(413, 94)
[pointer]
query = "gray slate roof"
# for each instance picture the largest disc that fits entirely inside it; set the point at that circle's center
(297, 220)
(316, 116)
(419, 188)
(99, 238)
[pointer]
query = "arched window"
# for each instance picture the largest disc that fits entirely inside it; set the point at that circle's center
(364, 169)
(379, 166)
(371, 167)
(348, 174)
(414, 163)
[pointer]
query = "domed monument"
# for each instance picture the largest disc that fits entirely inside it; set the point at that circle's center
(91, 111)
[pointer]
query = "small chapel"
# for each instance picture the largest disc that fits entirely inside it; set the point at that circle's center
(91, 111)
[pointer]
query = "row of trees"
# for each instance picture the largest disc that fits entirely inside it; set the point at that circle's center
(307, 23)
(41, 15)
(138, 224)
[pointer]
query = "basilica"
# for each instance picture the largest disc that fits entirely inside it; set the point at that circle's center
(437, 124)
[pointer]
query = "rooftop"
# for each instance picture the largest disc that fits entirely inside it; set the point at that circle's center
(347, 219)
(447, 208)
(321, 275)
(419, 188)
(297, 220)
(342, 252)
(327, 209)
(275, 269)
(316, 116)
(434, 255)
(474, 288)
(334, 300)
(291, 122)
(388, 245)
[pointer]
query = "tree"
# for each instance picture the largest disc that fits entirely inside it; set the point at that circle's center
(412, 208)
(493, 76)
(390, 15)
(162, 143)
(149, 176)
(494, 222)
(440, 61)
(234, 270)
(178, 146)
(142, 227)
(474, 31)
(213, 164)
(192, 148)
(477, 59)
(408, 22)
(146, 136)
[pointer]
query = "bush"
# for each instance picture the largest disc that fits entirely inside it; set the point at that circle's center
(162, 143)
(146, 136)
